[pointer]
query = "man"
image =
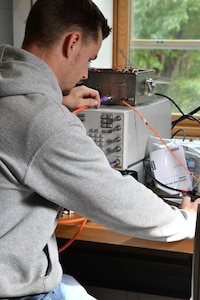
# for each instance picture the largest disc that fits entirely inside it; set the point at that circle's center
(49, 163)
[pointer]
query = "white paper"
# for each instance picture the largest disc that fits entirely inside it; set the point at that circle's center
(169, 171)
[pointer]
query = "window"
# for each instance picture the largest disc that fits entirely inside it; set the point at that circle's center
(164, 36)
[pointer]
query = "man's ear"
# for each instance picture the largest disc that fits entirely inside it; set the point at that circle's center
(71, 43)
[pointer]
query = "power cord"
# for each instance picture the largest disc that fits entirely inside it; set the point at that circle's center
(184, 116)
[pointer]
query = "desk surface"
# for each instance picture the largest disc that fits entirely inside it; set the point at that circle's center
(93, 232)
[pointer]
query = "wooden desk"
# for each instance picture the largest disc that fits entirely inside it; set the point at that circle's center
(93, 232)
(101, 257)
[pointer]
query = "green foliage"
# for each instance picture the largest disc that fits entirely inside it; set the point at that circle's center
(185, 93)
(170, 19)
(166, 19)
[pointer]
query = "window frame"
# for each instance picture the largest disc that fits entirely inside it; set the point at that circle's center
(121, 38)
(165, 44)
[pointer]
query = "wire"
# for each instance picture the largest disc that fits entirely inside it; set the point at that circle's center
(179, 130)
(192, 193)
(184, 116)
(63, 222)
(84, 220)
(161, 139)
(80, 109)
(188, 116)
(102, 100)
(158, 94)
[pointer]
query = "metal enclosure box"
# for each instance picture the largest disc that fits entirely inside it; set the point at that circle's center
(121, 134)
(136, 88)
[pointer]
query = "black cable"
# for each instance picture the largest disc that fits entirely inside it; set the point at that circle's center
(194, 111)
(194, 194)
(192, 118)
(175, 133)
(156, 180)
(162, 95)
(184, 116)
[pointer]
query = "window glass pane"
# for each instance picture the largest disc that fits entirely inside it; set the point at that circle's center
(165, 19)
(177, 70)
(177, 67)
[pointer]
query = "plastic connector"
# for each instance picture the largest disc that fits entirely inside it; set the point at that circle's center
(106, 99)
(115, 163)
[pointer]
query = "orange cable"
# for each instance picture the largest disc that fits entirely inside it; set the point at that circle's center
(74, 236)
(63, 222)
(80, 109)
(161, 139)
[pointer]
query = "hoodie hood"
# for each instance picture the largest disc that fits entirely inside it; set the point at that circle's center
(18, 70)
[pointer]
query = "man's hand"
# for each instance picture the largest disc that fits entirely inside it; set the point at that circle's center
(81, 96)
(189, 206)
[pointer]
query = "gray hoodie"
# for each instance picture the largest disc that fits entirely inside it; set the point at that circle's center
(47, 162)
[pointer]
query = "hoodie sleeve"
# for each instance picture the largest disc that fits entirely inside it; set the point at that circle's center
(71, 171)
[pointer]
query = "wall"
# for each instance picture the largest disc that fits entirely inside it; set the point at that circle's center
(20, 12)
(6, 22)
(104, 59)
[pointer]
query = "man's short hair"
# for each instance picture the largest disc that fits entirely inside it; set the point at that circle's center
(48, 20)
